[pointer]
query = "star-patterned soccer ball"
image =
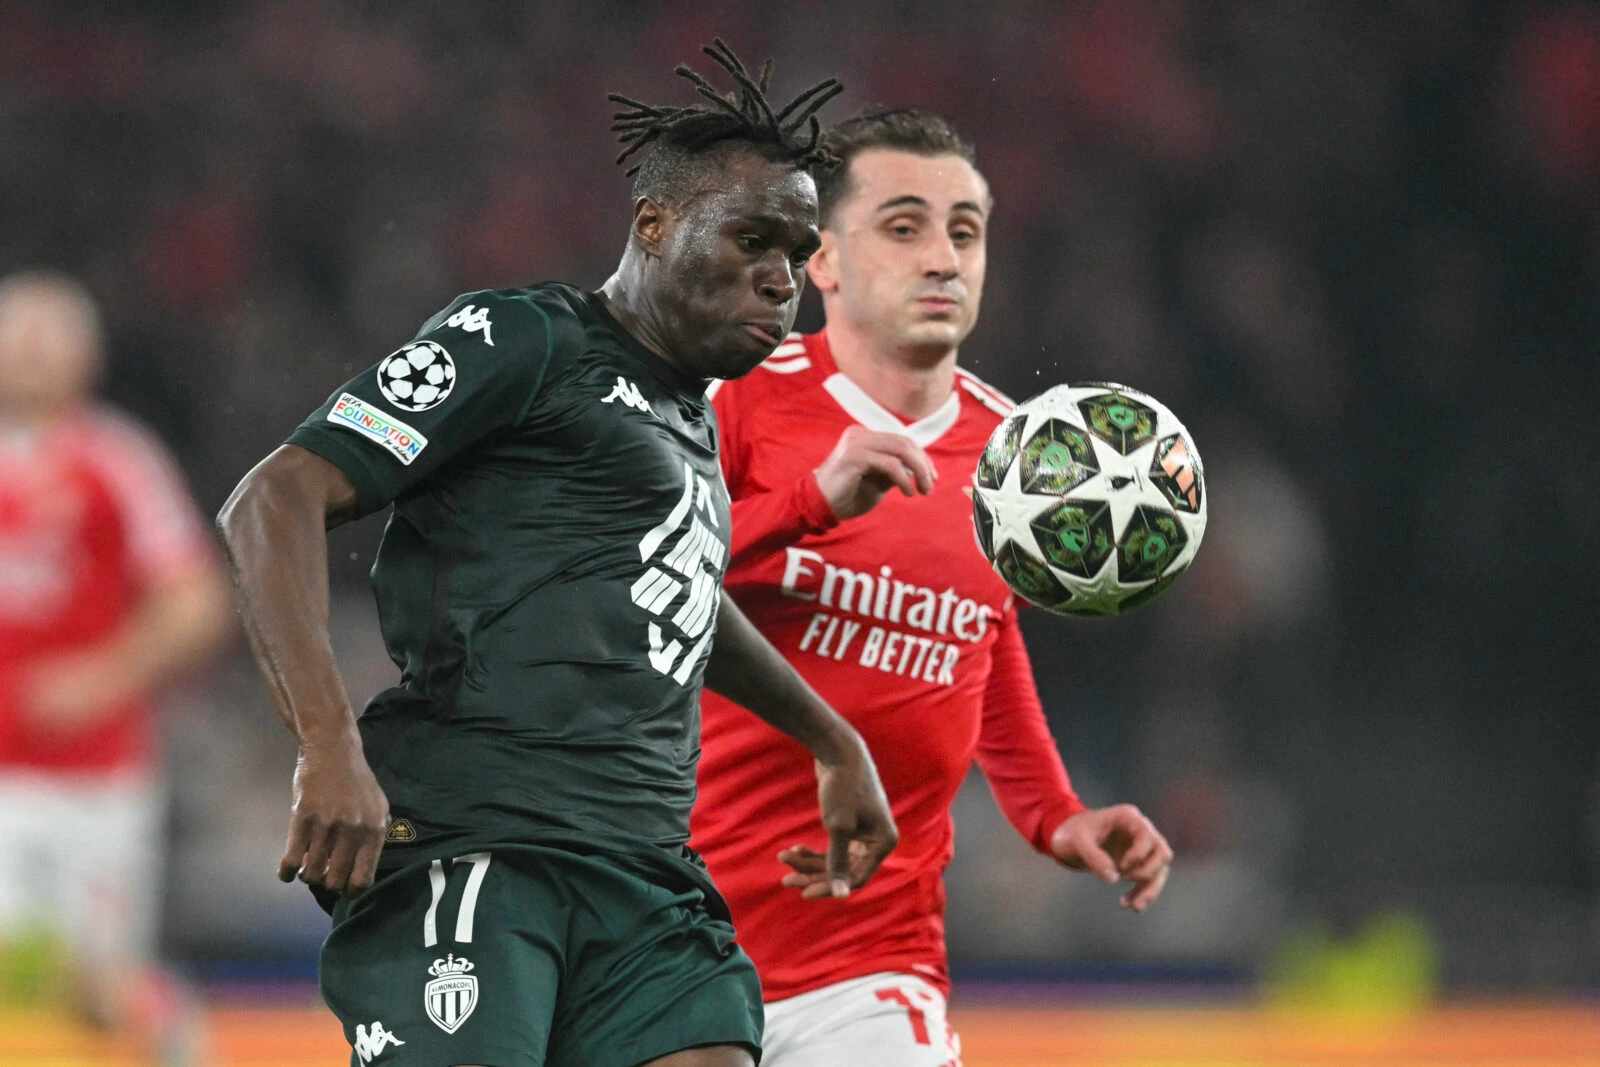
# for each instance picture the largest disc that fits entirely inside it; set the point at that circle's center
(1090, 499)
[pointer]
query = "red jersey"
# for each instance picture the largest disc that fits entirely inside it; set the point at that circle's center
(92, 511)
(899, 622)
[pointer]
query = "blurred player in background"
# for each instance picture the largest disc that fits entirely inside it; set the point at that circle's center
(109, 589)
(884, 603)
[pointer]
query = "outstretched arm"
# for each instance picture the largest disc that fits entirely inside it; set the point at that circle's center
(745, 668)
(1024, 769)
(274, 528)
(1015, 749)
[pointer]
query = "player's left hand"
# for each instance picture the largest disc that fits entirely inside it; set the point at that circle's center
(810, 870)
(1116, 843)
(861, 831)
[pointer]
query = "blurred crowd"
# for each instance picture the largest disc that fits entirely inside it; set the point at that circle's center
(1355, 247)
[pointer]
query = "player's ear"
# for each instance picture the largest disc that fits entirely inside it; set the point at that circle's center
(652, 223)
(821, 268)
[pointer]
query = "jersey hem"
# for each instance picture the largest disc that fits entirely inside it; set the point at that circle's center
(936, 974)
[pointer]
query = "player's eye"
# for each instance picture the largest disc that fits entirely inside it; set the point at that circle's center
(964, 236)
(752, 243)
(800, 259)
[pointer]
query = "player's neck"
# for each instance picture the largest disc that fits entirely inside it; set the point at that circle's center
(633, 315)
(911, 382)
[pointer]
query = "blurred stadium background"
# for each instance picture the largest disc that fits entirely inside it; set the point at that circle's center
(1355, 246)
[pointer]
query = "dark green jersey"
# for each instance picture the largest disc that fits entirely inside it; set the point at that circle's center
(548, 580)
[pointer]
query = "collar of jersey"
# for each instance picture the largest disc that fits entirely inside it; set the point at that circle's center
(874, 416)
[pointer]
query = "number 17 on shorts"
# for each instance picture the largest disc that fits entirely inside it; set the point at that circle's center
(881, 1020)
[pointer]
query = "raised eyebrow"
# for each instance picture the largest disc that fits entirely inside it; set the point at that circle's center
(909, 200)
(772, 223)
(968, 205)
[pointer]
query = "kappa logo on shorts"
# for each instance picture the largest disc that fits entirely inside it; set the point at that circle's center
(401, 832)
(452, 994)
(370, 1045)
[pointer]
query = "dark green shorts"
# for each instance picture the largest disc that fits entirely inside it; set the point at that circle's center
(528, 956)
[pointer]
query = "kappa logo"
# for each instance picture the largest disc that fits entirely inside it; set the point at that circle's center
(472, 320)
(401, 832)
(369, 1045)
(629, 394)
(452, 994)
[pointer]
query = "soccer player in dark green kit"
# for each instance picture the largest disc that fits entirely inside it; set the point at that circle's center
(549, 584)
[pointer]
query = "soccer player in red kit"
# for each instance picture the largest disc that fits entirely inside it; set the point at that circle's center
(109, 587)
(884, 603)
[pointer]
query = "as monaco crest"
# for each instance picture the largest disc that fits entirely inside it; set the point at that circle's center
(452, 994)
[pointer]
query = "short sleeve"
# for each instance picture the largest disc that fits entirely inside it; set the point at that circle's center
(473, 370)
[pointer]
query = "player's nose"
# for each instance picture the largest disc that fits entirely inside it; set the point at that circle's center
(779, 284)
(940, 258)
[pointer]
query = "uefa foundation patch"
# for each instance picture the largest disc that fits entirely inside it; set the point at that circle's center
(356, 414)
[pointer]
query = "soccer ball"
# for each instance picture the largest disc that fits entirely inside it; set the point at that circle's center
(417, 377)
(1090, 499)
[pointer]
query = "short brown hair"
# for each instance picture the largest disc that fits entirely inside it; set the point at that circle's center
(902, 129)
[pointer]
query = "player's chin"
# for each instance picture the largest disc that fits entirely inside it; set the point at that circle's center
(736, 359)
(930, 331)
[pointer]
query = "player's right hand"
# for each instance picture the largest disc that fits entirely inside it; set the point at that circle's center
(336, 821)
(865, 464)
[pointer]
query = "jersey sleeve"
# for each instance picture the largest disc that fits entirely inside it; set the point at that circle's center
(765, 519)
(1015, 750)
(473, 370)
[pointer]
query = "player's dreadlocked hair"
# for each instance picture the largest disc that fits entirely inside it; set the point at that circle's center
(902, 129)
(684, 140)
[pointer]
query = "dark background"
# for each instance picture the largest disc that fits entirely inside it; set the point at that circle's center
(1354, 246)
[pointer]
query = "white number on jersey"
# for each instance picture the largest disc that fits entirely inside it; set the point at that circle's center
(695, 561)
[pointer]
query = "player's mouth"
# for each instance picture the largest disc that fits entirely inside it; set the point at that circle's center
(938, 304)
(768, 333)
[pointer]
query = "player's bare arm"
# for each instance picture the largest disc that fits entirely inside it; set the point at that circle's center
(274, 528)
(745, 668)
(866, 464)
(1115, 844)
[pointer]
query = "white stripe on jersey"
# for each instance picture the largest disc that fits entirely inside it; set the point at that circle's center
(986, 394)
(787, 366)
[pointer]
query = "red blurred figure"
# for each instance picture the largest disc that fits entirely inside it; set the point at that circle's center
(109, 588)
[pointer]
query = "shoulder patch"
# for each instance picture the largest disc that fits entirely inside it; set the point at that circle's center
(356, 414)
(418, 376)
